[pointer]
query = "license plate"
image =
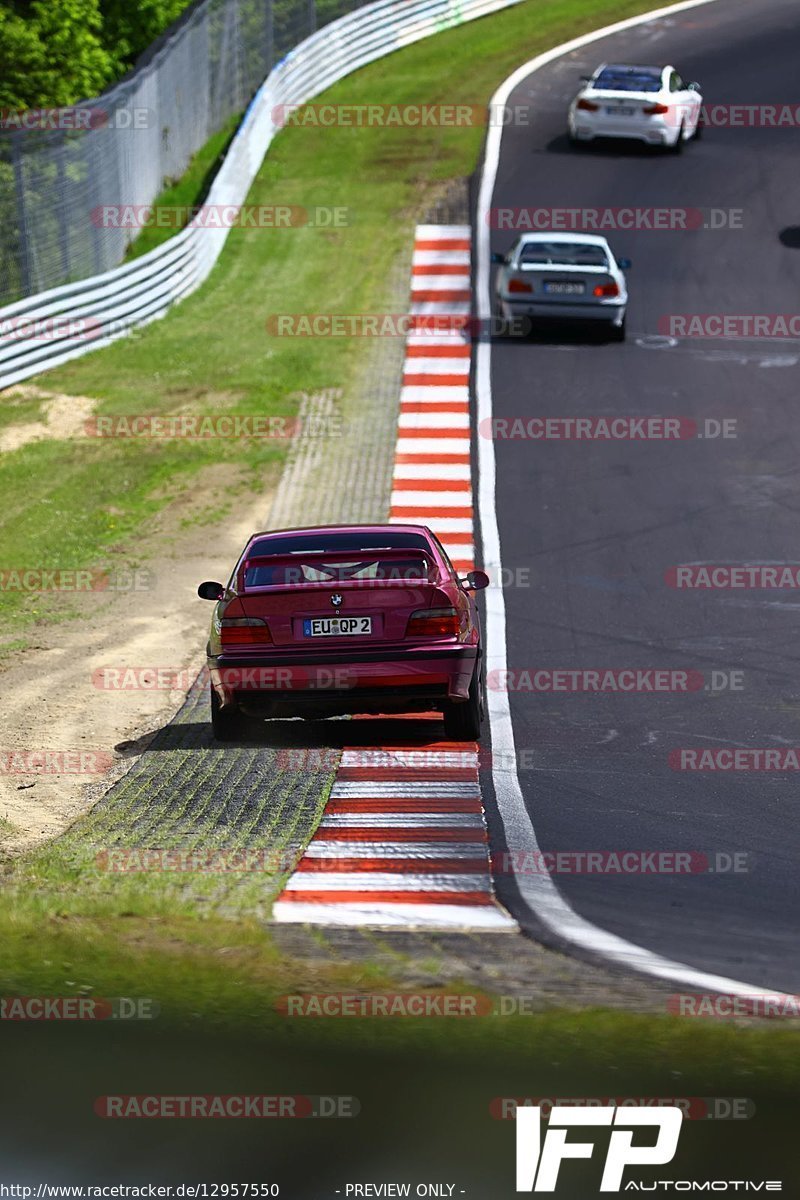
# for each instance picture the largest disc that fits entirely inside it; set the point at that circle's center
(565, 289)
(336, 626)
(616, 110)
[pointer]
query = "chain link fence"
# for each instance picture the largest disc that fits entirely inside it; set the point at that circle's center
(60, 169)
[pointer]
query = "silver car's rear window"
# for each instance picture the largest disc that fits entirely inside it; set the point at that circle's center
(628, 79)
(567, 254)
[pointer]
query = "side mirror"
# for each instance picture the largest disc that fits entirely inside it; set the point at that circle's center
(210, 591)
(693, 87)
(624, 264)
(498, 258)
(586, 78)
(476, 581)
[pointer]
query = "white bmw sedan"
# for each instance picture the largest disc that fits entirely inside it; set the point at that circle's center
(563, 276)
(649, 104)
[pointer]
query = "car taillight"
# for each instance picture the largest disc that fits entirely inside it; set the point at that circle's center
(651, 109)
(587, 106)
(516, 285)
(433, 622)
(244, 631)
(607, 289)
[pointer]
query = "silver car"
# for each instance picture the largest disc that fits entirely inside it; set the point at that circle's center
(566, 276)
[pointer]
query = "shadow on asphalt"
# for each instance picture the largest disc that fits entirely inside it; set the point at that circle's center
(560, 333)
(605, 148)
(285, 734)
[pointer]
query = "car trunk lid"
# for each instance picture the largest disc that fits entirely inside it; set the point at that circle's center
(327, 599)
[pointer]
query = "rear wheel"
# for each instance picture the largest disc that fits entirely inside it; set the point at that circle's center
(227, 725)
(678, 147)
(617, 332)
(462, 721)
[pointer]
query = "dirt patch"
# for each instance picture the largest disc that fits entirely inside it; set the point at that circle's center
(68, 706)
(63, 417)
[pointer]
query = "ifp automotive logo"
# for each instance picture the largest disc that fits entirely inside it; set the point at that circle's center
(539, 1160)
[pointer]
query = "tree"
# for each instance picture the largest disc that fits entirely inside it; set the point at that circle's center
(54, 56)
(128, 29)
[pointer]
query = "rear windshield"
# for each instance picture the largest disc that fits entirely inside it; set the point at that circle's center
(317, 570)
(568, 254)
(332, 540)
(629, 79)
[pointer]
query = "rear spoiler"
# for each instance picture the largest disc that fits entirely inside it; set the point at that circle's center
(290, 573)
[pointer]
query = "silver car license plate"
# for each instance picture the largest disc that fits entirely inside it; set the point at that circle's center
(617, 110)
(336, 626)
(564, 289)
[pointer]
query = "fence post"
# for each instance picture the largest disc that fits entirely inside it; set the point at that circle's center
(61, 203)
(26, 274)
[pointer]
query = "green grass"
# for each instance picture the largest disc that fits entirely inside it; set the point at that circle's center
(212, 352)
(221, 985)
(189, 190)
(73, 876)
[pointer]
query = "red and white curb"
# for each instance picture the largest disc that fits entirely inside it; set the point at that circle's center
(432, 476)
(402, 842)
(403, 839)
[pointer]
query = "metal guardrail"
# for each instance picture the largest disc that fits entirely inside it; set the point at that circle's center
(49, 329)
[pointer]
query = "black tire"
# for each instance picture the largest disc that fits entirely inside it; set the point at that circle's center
(698, 130)
(462, 721)
(227, 725)
(617, 332)
(678, 147)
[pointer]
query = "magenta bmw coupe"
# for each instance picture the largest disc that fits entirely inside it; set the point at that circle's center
(338, 619)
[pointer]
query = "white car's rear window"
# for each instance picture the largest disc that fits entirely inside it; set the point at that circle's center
(628, 79)
(568, 254)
